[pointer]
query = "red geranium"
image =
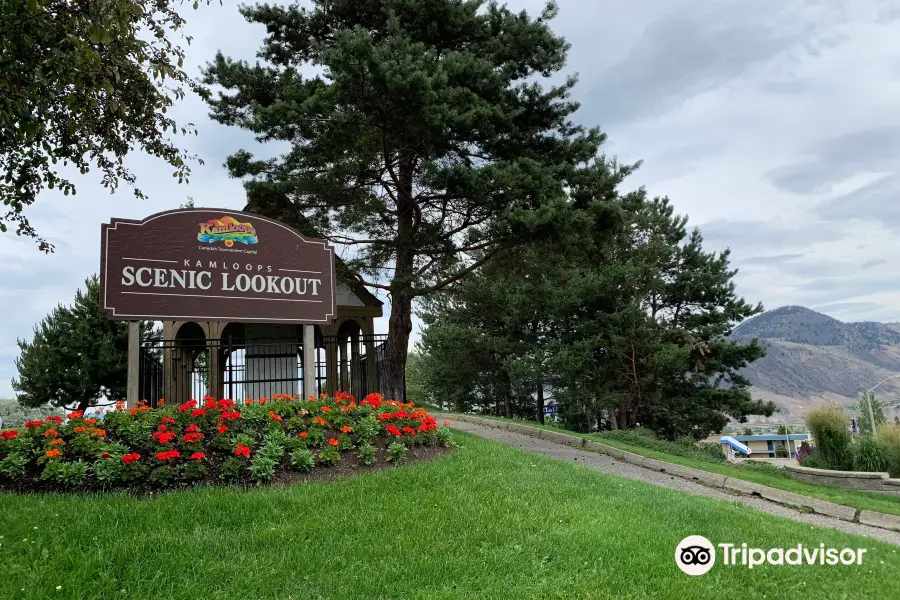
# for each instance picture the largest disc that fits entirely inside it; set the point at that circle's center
(319, 421)
(346, 429)
(274, 416)
(242, 450)
(75, 414)
(230, 416)
(193, 438)
(198, 456)
(191, 428)
(167, 420)
(225, 404)
(187, 405)
(392, 430)
(33, 424)
(163, 437)
(409, 430)
(53, 453)
(168, 455)
(333, 441)
(222, 429)
(198, 412)
(51, 433)
(54, 419)
(130, 458)
(8, 435)
(303, 434)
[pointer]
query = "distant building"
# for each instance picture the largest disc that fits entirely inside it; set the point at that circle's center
(766, 444)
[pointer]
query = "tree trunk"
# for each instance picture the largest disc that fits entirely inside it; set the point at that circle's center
(393, 370)
(540, 401)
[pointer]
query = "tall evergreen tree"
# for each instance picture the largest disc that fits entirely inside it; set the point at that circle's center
(77, 356)
(425, 145)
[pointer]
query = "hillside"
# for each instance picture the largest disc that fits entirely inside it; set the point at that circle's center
(813, 358)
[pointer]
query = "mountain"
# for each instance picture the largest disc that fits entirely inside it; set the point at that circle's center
(813, 359)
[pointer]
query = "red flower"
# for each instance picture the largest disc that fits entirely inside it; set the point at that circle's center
(88, 421)
(225, 403)
(163, 427)
(80, 429)
(57, 442)
(242, 450)
(209, 403)
(53, 453)
(222, 428)
(230, 416)
(447, 423)
(409, 430)
(75, 414)
(169, 454)
(325, 409)
(303, 434)
(392, 430)
(105, 455)
(54, 419)
(163, 437)
(333, 441)
(373, 400)
(193, 438)
(187, 405)
(51, 433)
(346, 429)
(274, 416)
(319, 421)
(263, 400)
(8, 435)
(130, 458)
(191, 428)
(198, 456)
(33, 424)
(198, 412)
(167, 420)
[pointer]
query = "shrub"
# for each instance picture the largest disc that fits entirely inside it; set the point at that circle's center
(396, 452)
(233, 468)
(302, 460)
(814, 460)
(13, 414)
(69, 474)
(109, 470)
(13, 466)
(445, 437)
(830, 429)
(871, 454)
(193, 471)
(329, 456)
(803, 451)
(367, 454)
(164, 475)
(367, 429)
(889, 435)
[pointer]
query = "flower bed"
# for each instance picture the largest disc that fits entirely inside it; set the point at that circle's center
(177, 446)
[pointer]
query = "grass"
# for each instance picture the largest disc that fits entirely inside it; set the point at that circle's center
(756, 472)
(485, 522)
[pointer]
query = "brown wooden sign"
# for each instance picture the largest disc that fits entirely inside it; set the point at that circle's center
(208, 264)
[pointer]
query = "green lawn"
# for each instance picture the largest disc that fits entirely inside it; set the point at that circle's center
(771, 477)
(488, 521)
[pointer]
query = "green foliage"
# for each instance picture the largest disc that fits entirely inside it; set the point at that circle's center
(232, 469)
(329, 456)
(445, 436)
(830, 429)
(871, 454)
(367, 454)
(263, 463)
(13, 466)
(109, 470)
(685, 446)
(302, 460)
(134, 472)
(70, 474)
(83, 84)
(367, 429)
(624, 319)
(396, 452)
(316, 436)
(14, 414)
(164, 475)
(889, 436)
(193, 470)
(867, 401)
(77, 356)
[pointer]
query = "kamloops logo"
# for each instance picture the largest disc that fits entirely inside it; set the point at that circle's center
(229, 230)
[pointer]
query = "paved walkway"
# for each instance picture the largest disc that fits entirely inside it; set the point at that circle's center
(607, 464)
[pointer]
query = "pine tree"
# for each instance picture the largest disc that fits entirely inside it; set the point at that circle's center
(425, 147)
(77, 356)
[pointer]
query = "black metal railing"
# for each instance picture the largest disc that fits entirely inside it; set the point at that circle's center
(179, 370)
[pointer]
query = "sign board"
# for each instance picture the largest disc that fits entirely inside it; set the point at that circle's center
(206, 264)
(550, 409)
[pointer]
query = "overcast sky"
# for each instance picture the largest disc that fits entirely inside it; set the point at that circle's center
(774, 125)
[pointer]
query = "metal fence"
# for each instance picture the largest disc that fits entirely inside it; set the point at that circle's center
(179, 370)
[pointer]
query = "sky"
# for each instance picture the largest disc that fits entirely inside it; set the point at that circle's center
(775, 126)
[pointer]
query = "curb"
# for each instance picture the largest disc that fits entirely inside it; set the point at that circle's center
(738, 486)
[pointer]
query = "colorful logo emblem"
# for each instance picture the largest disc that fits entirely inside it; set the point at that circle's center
(227, 229)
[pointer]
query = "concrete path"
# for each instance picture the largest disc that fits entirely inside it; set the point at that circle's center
(607, 464)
